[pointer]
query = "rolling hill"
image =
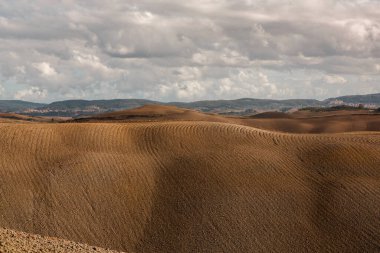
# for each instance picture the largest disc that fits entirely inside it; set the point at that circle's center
(153, 113)
(299, 122)
(316, 122)
(243, 106)
(191, 186)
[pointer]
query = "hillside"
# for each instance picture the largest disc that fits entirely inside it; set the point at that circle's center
(298, 122)
(316, 122)
(153, 113)
(191, 187)
(146, 111)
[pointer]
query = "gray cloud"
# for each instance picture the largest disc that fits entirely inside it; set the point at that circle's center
(169, 50)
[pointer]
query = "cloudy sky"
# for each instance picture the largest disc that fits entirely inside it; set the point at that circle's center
(171, 50)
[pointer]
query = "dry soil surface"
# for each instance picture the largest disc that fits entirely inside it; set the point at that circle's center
(19, 242)
(189, 186)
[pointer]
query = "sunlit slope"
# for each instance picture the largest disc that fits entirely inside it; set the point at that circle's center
(191, 187)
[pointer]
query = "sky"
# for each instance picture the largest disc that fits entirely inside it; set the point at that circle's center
(170, 50)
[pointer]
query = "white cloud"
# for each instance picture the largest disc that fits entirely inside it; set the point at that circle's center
(186, 90)
(188, 73)
(270, 88)
(45, 68)
(248, 83)
(33, 93)
(334, 79)
(309, 60)
(90, 60)
(144, 17)
(173, 50)
(21, 69)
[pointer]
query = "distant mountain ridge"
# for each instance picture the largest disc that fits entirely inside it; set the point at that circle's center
(104, 104)
(18, 105)
(74, 108)
(247, 103)
(355, 99)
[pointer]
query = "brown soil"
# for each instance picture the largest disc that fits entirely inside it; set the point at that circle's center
(17, 242)
(191, 186)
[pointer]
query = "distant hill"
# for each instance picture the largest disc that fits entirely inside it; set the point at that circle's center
(88, 107)
(248, 103)
(358, 99)
(334, 108)
(114, 104)
(17, 105)
(85, 107)
(243, 106)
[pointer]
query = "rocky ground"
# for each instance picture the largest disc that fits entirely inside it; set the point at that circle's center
(15, 242)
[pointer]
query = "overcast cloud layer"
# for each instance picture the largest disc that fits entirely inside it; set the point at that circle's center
(188, 50)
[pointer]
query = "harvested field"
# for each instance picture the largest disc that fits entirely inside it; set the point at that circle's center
(191, 186)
